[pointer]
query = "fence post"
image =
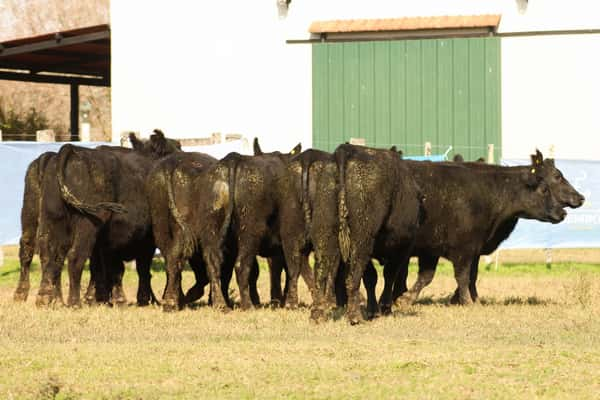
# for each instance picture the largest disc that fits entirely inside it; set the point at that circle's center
(358, 141)
(548, 253)
(46, 135)
(490, 156)
(427, 150)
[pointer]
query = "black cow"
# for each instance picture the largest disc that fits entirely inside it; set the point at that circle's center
(30, 212)
(93, 196)
(376, 213)
(313, 175)
(468, 207)
(238, 210)
(171, 188)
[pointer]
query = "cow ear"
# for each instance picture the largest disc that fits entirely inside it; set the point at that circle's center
(158, 134)
(257, 150)
(537, 158)
(296, 149)
(394, 148)
(400, 154)
(136, 143)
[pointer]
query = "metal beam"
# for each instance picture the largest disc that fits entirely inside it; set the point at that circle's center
(441, 34)
(53, 43)
(74, 112)
(59, 79)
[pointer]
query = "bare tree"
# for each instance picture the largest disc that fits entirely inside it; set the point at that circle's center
(23, 18)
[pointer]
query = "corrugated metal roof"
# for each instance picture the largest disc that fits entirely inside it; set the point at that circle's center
(406, 23)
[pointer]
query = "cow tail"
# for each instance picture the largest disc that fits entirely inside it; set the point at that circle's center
(305, 196)
(189, 240)
(92, 209)
(231, 161)
(344, 229)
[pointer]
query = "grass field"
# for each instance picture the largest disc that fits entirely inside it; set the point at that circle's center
(536, 335)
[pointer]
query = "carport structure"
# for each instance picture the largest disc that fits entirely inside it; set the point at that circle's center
(73, 57)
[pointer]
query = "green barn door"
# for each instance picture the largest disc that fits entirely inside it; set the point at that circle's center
(408, 92)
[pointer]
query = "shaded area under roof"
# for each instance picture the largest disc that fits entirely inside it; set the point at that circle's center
(78, 56)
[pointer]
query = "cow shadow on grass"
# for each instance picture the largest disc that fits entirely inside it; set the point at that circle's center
(489, 301)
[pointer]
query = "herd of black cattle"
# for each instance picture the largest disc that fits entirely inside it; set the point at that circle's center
(112, 204)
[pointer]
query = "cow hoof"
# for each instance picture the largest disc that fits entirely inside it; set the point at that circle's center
(455, 299)
(386, 309)
(20, 296)
(317, 316)
(275, 304)
(354, 318)
(44, 300)
(75, 304)
(289, 306)
(170, 306)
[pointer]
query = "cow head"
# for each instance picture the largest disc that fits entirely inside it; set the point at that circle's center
(161, 145)
(157, 146)
(560, 187)
(458, 158)
(535, 197)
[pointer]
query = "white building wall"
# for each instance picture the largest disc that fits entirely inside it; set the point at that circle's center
(193, 68)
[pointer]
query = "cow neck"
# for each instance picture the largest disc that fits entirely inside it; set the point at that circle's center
(507, 180)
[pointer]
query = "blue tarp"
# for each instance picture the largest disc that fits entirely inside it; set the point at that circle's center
(14, 158)
(581, 228)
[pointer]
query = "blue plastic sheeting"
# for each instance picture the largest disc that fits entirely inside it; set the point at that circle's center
(15, 157)
(433, 157)
(581, 228)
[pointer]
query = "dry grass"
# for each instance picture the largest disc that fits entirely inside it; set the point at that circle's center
(535, 336)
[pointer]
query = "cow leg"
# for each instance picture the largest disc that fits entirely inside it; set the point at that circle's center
(243, 264)
(276, 266)
(199, 268)
(358, 263)
(26, 251)
(473, 280)
(213, 257)
(400, 284)
(370, 282)
(252, 281)
(390, 274)
(472, 283)
(80, 251)
(427, 266)
(172, 299)
(52, 257)
(341, 297)
(293, 259)
(143, 263)
(97, 290)
(327, 261)
(462, 271)
(117, 270)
